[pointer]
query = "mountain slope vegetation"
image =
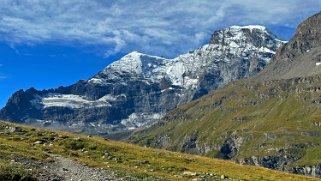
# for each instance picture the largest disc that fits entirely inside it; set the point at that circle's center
(276, 124)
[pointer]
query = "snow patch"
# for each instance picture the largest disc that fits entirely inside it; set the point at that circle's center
(266, 50)
(175, 73)
(136, 120)
(110, 97)
(96, 81)
(70, 101)
(191, 83)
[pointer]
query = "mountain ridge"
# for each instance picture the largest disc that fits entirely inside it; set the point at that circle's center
(134, 91)
(300, 56)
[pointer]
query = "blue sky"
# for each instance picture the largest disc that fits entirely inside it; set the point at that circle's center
(49, 43)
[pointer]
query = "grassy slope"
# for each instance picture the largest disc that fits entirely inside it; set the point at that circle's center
(268, 116)
(124, 158)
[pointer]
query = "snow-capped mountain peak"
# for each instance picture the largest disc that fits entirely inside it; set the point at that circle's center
(185, 70)
(139, 88)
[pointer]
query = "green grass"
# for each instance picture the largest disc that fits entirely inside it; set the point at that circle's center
(125, 159)
(13, 172)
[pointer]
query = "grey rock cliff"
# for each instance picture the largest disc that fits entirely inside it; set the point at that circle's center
(301, 56)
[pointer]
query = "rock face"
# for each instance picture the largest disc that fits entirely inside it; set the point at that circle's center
(137, 90)
(314, 170)
(230, 147)
(301, 56)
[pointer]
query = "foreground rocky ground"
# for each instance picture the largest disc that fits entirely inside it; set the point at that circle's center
(60, 169)
(66, 169)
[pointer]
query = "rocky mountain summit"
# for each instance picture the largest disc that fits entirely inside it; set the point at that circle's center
(137, 90)
(301, 56)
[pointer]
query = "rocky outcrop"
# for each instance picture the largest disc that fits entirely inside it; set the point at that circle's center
(189, 144)
(281, 163)
(272, 162)
(301, 56)
(137, 90)
(314, 170)
(230, 147)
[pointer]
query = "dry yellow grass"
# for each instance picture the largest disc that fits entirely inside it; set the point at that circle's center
(129, 159)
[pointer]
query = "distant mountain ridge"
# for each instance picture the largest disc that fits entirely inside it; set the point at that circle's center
(301, 56)
(137, 90)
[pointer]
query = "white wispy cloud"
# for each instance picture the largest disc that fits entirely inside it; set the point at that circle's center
(163, 27)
